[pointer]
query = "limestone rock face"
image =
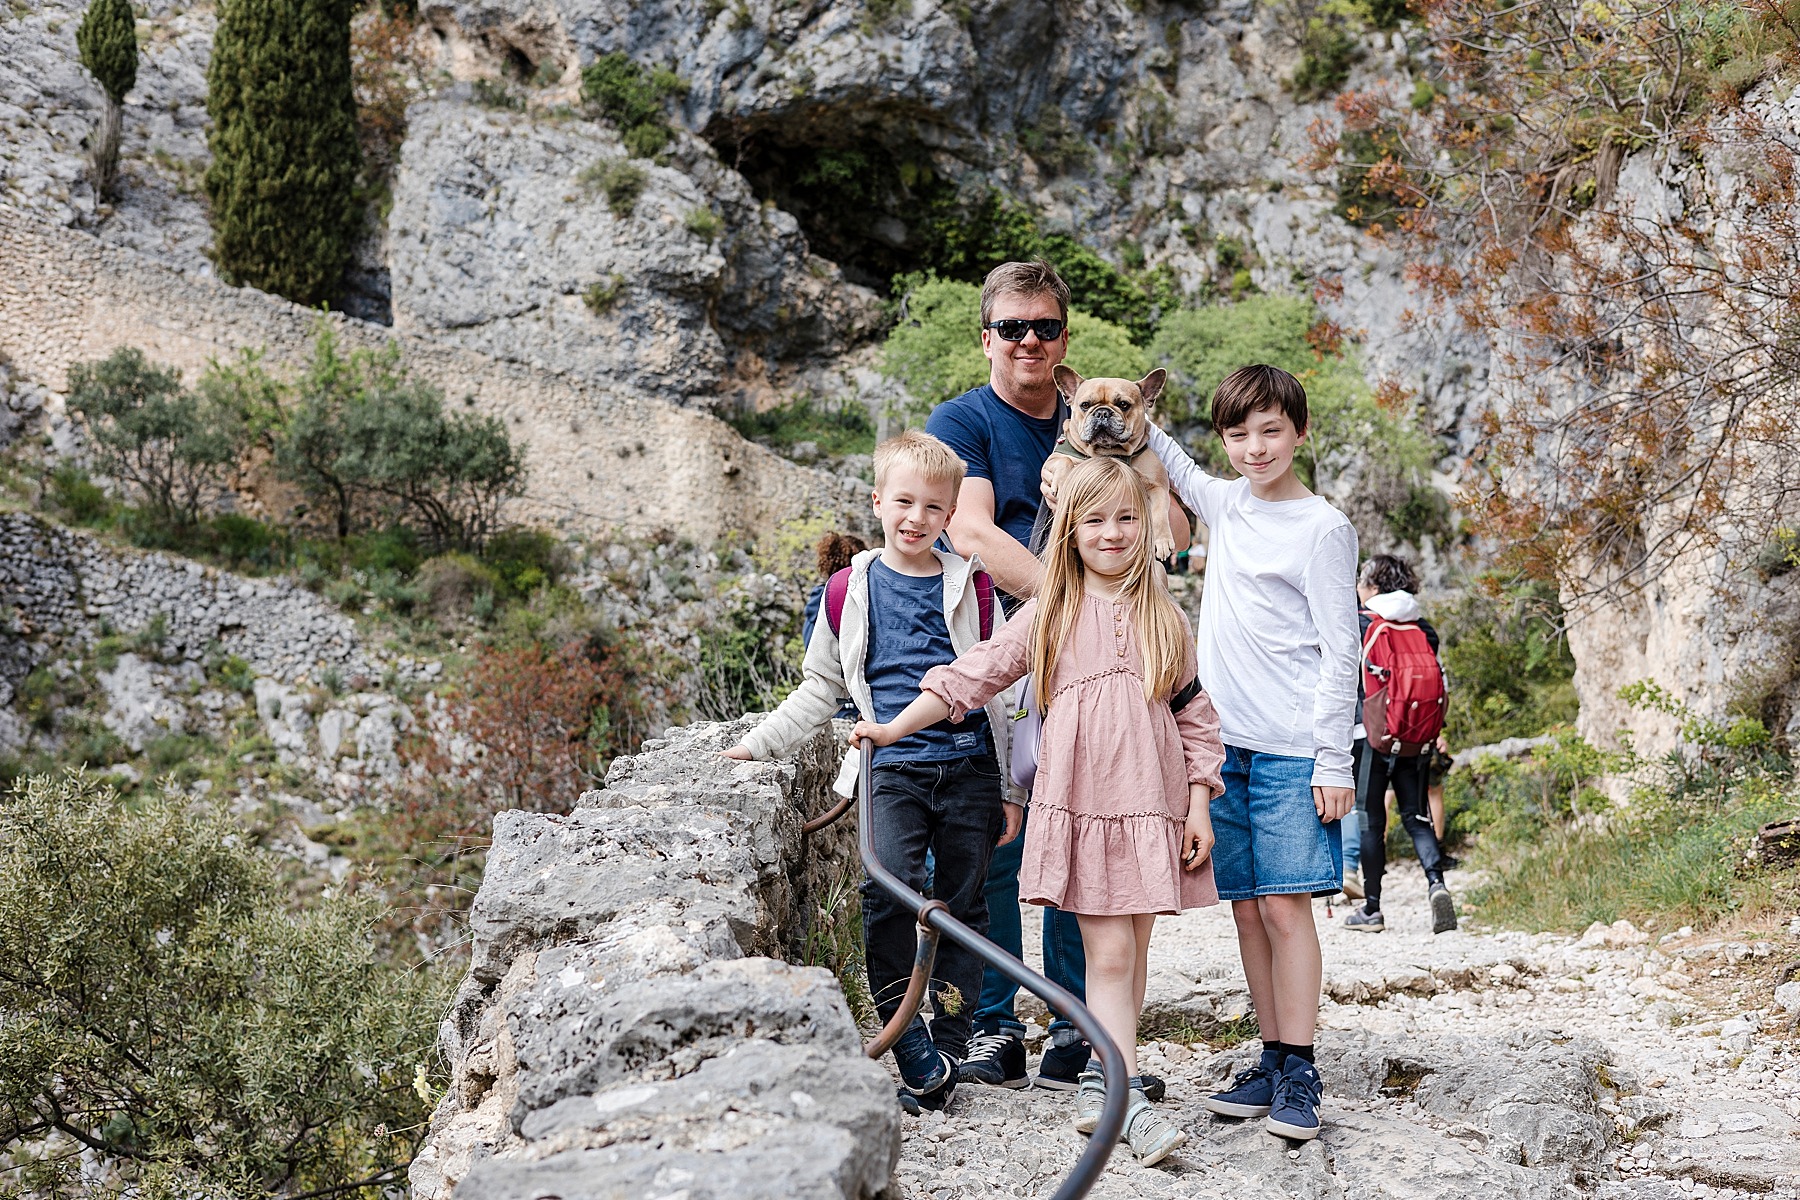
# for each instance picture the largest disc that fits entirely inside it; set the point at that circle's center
(615, 1036)
(505, 240)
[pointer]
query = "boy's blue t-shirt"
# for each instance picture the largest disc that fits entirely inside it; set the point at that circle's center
(1002, 445)
(907, 637)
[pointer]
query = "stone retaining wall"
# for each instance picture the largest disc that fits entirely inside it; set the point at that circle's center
(601, 460)
(631, 1024)
(59, 585)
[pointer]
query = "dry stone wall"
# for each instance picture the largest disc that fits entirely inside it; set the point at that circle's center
(601, 460)
(632, 1025)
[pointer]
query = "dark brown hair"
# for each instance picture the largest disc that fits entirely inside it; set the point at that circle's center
(836, 550)
(1253, 389)
(1034, 278)
(1388, 573)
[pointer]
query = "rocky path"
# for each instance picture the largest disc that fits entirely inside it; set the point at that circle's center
(1619, 1064)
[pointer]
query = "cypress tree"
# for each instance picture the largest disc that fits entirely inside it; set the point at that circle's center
(285, 155)
(107, 40)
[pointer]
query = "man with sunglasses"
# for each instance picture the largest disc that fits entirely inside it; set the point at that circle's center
(1003, 431)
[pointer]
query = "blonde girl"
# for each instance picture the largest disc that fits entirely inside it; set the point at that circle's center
(1120, 830)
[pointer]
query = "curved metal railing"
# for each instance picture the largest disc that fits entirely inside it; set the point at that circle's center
(935, 923)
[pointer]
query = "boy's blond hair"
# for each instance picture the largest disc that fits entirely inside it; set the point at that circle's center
(925, 454)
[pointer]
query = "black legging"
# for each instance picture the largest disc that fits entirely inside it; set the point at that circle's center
(1411, 779)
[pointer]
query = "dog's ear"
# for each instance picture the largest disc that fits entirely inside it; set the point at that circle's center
(1151, 385)
(1067, 381)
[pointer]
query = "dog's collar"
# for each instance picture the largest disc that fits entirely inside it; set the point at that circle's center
(1063, 446)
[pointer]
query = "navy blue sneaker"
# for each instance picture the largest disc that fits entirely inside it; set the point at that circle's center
(996, 1059)
(1251, 1092)
(1295, 1111)
(923, 1068)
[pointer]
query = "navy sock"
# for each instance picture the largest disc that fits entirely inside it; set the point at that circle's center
(1304, 1053)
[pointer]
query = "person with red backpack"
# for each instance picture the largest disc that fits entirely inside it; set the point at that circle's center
(1402, 708)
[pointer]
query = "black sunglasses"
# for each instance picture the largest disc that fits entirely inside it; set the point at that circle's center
(1013, 329)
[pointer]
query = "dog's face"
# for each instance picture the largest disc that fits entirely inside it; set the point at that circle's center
(1108, 416)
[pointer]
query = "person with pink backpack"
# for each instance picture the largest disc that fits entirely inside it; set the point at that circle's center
(889, 617)
(1401, 717)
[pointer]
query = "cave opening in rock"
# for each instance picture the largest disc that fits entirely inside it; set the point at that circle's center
(865, 206)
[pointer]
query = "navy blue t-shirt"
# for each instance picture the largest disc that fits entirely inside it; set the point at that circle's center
(1002, 445)
(908, 637)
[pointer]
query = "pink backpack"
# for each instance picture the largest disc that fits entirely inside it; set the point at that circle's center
(838, 586)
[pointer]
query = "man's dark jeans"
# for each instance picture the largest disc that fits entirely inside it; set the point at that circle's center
(1065, 958)
(952, 809)
(1411, 778)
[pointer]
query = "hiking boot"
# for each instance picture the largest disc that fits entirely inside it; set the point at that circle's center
(1443, 909)
(1251, 1092)
(1364, 921)
(1352, 885)
(1151, 1136)
(1295, 1111)
(1090, 1098)
(996, 1059)
(1061, 1067)
(923, 1067)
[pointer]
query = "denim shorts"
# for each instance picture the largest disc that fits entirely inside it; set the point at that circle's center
(1269, 840)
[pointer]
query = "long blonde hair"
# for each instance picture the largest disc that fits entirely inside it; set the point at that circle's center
(1161, 633)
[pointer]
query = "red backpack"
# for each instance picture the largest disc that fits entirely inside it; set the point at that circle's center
(1403, 689)
(838, 586)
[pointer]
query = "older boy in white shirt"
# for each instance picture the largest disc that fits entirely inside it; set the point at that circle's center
(1278, 652)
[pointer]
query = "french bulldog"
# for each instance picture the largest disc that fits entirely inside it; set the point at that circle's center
(1111, 417)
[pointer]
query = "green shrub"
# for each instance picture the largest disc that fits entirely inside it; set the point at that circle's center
(1200, 346)
(935, 351)
(285, 155)
(836, 431)
(233, 673)
(78, 499)
(632, 99)
(601, 295)
(704, 224)
(449, 584)
(526, 559)
(246, 542)
(163, 1008)
(493, 93)
(1328, 49)
(620, 180)
(1507, 660)
(177, 450)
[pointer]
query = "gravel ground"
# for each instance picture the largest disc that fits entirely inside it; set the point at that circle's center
(1618, 1064)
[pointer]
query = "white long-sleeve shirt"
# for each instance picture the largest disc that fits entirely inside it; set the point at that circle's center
(1277, 640)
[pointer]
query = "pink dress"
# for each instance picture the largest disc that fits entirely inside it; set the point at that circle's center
(1111, 796)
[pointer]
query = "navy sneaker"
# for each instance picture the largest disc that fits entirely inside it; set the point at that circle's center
(1251, 1092)
(923, 1068)
(1061, 1067)
(1364, 921)
(1295, 1111)
(996, 1059)
(936, 1100)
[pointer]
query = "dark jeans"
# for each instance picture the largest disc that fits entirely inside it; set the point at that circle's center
(1065, 961)
(950, 808)
(1411, 778)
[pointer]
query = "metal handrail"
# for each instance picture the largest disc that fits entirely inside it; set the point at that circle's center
(935, 921)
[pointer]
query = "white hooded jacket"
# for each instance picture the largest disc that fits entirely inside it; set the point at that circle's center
(834, 667)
